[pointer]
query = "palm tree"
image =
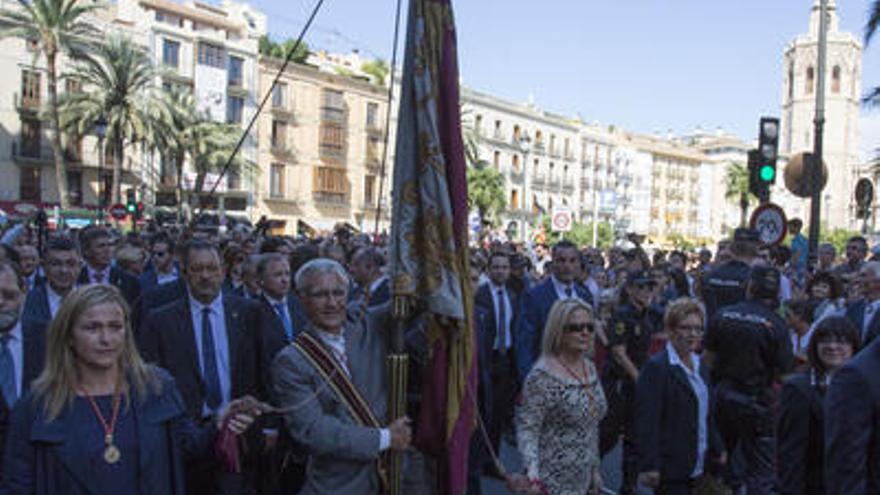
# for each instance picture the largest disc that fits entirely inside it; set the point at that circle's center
(118, 82)
(486, 192)
(736, 185)
(57, 26)
(207, 143)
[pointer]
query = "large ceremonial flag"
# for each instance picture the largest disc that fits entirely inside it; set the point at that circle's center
(429, 242)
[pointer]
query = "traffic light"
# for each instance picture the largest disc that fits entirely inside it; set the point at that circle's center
(756, 186)
(768, 144)
(139, 211)
(130, 201)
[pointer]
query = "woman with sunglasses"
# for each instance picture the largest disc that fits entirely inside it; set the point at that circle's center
(563, 403)
(799, 436)
(674, 430)
(99, 419)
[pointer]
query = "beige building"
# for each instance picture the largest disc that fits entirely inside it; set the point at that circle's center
(320, 144)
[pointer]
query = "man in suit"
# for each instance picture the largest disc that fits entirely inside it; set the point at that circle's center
(216, 347)
(343, 451)
(163, 269)
(538, 300)
(852, 425)
(22, 345)
(373, 288)
(865, 313)
(273, 270)
(29, 261)
(62, 264)
(500, 306)
(97, 251)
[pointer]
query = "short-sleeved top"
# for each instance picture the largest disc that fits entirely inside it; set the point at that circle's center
(751, 346)
(725, 285)
(635, 330)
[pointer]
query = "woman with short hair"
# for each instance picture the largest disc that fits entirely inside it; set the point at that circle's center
(800, 429)
(563, 403)
(98, 418)
(673, 409)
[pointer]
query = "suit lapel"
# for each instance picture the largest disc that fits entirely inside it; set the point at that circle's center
(233, 322)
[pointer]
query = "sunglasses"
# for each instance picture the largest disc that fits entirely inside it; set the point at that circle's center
(578, 327)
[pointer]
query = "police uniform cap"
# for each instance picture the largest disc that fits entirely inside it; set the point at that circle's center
(764, 281)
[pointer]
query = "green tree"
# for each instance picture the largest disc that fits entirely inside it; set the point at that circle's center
(118, 83)
(736, 189)
(269, 48)
(486, 192)
(378, 69)
(57, 26)
(837, 237)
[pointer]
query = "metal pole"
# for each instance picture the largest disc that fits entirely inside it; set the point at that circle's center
(101, 180)
(819, 121)
(595, 215)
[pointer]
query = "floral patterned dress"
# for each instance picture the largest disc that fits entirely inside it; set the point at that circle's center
(558, 428)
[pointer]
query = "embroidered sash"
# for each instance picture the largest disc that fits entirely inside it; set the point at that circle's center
(336, 377)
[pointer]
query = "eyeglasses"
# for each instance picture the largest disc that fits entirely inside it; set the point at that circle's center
(327, 294)
(693, 330)
(578, 327)
(159, 254)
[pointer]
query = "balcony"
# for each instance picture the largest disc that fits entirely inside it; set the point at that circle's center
(281, 149)
(586, 183)
(554, 181)
(27, 104)
(38, 153)
(517, 174)
(568, 184)
(284, 112)
(554, 153)
(330, 198)
(373, 162)
(539, 148)
(569, 157)
(375, 130)
(539, 179)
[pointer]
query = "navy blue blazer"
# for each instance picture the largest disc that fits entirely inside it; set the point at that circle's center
(150, 278)
(168, 340)
(856, 313)
(294, 308)
(33, 336)
(852, 425)
(45, 457)
(36, 304)
(153, 298)
(800, 438)
(127, 284)
(666, 420)
(485, 343)
(535, 307)
(486, 300)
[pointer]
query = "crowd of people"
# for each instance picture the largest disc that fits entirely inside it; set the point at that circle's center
(166, 362)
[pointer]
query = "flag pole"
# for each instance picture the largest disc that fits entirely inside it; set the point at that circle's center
(398, 370)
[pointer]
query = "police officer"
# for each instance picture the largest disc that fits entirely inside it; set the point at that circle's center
(726, 283)
(632, 328)
(748, 349)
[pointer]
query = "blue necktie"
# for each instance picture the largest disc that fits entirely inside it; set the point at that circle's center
(501, 338)
(285, 320)
(568, 292)
(7, 371)
(213, 394)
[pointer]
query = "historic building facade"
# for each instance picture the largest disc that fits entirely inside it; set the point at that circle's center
(841, 133)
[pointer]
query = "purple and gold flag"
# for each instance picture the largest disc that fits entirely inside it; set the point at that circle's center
(429, 242)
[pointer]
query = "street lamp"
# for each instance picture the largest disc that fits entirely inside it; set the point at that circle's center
(101, 132)
(525, 146)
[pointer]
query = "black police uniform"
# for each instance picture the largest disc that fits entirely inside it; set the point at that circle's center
(635, 330)
(725, 285)
(751, 348)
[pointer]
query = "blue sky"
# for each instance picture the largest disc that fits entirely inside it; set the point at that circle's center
(644, 65)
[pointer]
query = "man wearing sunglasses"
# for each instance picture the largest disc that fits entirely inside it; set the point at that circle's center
(162, 265)
(632, 328)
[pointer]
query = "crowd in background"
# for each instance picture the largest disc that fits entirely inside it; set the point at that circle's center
(715, 370)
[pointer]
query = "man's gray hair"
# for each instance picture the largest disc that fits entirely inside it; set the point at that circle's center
(873, 267)
(318, 266)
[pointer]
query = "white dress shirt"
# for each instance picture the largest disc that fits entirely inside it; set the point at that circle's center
(561, 287)
(502, 342)
(221, 345)
(54, 300)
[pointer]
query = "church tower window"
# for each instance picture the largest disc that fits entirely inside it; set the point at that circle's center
(835, 79)
(810, 80)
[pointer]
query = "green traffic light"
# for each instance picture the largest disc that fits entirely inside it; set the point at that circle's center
(131, 208)
(767, 173)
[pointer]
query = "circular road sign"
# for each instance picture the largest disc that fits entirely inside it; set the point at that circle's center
(770, 222)
(118, 211)
(561, 220)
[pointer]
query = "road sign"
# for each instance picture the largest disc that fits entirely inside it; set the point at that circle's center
(864, 192)
(118, 211)
(561, 220)
(770, 222)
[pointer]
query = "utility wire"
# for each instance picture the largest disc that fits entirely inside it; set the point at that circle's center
(388, 118)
